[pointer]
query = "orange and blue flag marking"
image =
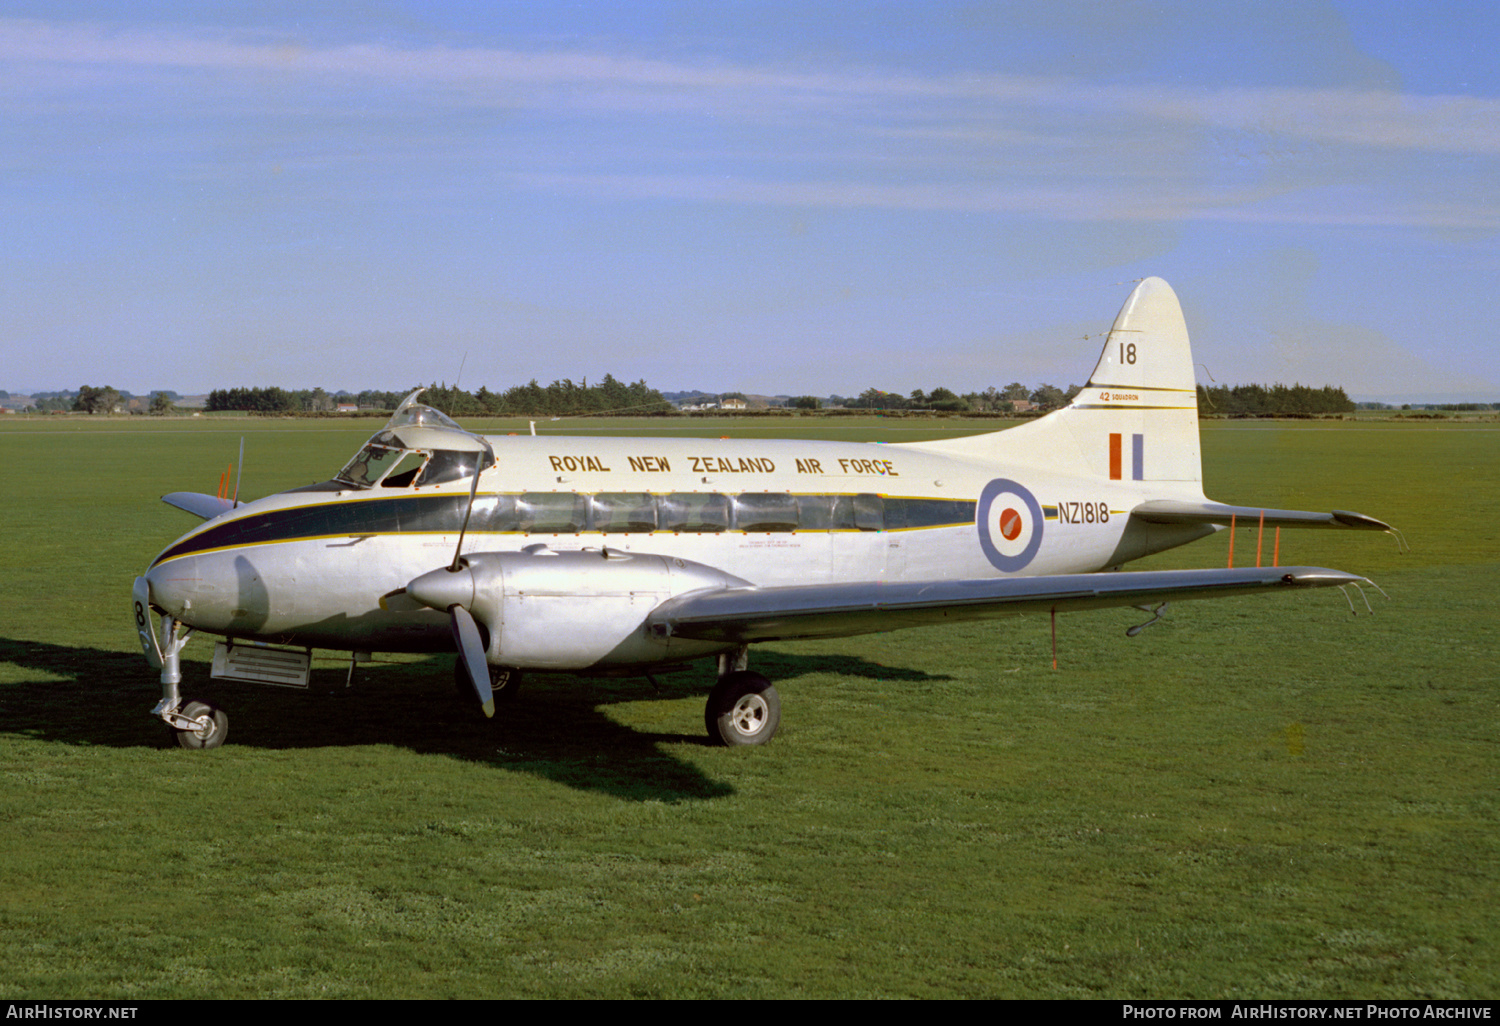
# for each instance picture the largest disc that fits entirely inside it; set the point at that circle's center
(1117, 457)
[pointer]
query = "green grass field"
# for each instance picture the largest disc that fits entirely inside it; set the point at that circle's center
(1261, 797)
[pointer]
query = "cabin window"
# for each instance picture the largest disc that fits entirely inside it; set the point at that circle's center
(928, 512)
(694, 511)
(765, 511)
(825, 512)
(494, 513)
(840, 513)
(869, 512)
(622, 511)
(551, 512)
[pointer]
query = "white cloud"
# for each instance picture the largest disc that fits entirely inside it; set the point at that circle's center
(833, 137)
(959, 106)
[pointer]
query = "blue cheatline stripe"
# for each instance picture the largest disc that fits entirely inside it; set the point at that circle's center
(497, 513)
(1138, 457)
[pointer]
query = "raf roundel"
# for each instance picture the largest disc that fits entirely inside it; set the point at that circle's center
(1010, 525)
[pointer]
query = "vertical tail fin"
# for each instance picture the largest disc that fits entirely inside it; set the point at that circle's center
(1136, 419)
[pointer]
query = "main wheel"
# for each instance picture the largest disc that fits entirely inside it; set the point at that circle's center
(212, 733)
(505, 681)
(743, 709)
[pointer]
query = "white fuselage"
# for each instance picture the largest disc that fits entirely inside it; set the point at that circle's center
(310, 567)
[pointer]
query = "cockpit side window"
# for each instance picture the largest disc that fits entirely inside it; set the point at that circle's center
(369, 465)
(448, 465)
(406, 471)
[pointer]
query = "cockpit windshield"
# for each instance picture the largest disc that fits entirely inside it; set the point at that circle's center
(413, 414)
(385, 462)
(418, 446)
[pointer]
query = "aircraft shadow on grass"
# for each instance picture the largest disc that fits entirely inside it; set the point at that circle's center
(554, 728)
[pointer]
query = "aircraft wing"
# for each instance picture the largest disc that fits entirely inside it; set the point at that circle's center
(836, 610)
(1174, 511)
(198, 504)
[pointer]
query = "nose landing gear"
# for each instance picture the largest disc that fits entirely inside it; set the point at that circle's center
(210, 725)
(196, 724)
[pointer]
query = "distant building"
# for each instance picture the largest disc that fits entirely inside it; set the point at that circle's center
(734, 404)
(346, 408)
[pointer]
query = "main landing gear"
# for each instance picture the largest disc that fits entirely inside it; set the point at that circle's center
(743, 707)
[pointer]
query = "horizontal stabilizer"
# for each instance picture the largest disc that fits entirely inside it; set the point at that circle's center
(198, 504)
(1173, 511)
(833, 610)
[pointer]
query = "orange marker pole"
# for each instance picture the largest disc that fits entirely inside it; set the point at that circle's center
(1260, 536)
(1276, 552)
(1231, 541)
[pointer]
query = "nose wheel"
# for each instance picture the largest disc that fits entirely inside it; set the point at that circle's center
(200, 725)
(743, 709)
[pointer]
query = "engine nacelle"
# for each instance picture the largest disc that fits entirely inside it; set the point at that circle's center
(575, 610)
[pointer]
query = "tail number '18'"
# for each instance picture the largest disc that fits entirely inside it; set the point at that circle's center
(1083, 512)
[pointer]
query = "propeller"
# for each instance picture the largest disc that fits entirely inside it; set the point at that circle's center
(471, 654)
(451, 589)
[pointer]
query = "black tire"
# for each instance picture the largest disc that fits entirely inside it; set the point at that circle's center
(743, 709)
(212, 734)
(505, 681)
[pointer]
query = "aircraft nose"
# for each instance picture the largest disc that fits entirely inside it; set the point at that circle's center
(174, 585)
(444, 588)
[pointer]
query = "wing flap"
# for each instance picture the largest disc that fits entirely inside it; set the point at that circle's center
(1174, 511)
(198, 504)
(835, 610)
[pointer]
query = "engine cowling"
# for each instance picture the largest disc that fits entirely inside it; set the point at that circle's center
(572, 610)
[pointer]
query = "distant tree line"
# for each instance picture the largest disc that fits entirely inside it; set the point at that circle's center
(561, 398)
(272, 401)
(991, 400)
(566, 398)
(557, 399)
(1272, 400)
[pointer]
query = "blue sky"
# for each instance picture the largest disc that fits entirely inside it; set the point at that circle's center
(754, 196)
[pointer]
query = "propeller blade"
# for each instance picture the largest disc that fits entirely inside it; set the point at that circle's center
(471, 654)
(399, 601)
